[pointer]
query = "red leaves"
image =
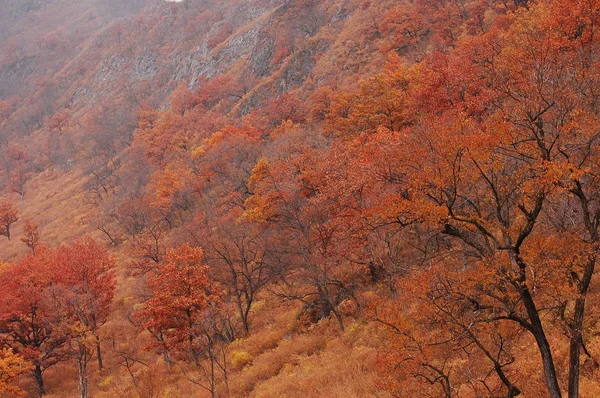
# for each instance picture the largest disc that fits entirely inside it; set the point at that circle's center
(26, 315)
(182, 298)
(54, 296)
(86, 281)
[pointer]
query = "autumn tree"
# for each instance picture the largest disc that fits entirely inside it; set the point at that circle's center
(182, 100)
(109, 128)
(184, 307)
(240, 258)
(59, 121)
(165, 136)
(31, 234)
(18, 179)
(18, 165)
(8, 216)
(381, 101)
(307, 227)
(238, 253)
(172, 194)
(81, 296)
(27, 323)
(282, 108)
(497, 169)
(144, 228)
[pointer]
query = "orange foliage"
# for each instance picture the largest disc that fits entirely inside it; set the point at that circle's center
(11, 366)
(435, 215)
(8, 216)
(31, 235)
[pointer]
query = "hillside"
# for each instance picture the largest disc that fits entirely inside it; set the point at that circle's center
(299, 198)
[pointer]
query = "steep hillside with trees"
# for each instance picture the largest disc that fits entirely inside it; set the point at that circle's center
(299, 198)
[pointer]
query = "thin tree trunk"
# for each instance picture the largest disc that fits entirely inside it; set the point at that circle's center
(576, 326)
(339, 318)
(576, 330)
(99, 353)
(225, 373)
(246, 315)
(167, 359)
(243, 313)
(212, 375)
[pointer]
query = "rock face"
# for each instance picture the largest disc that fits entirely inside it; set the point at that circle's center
(259, 60)
(145, 66)
(219, 61)
(149, 47)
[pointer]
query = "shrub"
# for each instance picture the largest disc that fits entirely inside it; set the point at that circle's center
(240, 359)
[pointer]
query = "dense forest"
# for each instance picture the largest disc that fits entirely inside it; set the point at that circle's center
(299, 198)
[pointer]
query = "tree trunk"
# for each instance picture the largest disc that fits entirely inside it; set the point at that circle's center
(576, 326)
(326, 306)
(537, 329)
(83, 377)
(99, 353)
(37, 375)
(549, 370)
(212, 375)
(243, 313)
(339, 318)
(245, 317)
(167, 359)
(575, 348)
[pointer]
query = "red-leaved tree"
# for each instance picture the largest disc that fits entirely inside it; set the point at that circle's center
(184, 310)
